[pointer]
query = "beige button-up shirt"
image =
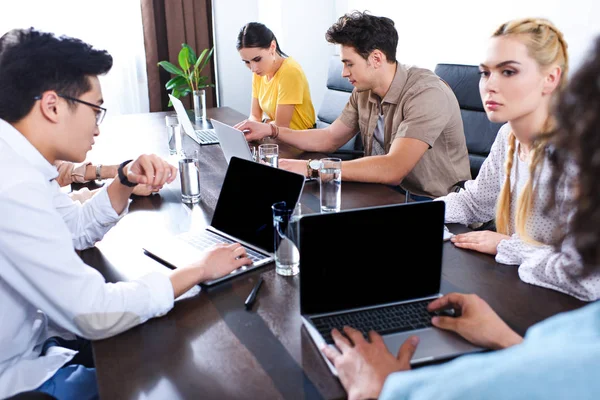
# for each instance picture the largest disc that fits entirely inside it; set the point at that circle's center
(418, 105)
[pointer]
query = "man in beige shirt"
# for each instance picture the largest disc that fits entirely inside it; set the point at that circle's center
(409, 119)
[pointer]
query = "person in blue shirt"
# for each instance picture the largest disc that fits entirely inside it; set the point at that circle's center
(558, 358)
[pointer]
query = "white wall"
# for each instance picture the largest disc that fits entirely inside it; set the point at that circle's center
(457, 31)
(430, 32)
(113, 25)
(234, 79)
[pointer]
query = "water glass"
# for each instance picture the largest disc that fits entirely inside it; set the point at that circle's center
(330, 182)
(269, 154)
(286, 231)
(189, 174)
(173, 133)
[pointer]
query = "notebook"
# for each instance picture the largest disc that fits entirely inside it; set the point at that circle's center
(243, 214)
(203, 136)
(233, 142)
(366, 268)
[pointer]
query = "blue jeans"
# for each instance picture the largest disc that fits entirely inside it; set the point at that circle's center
(410, 196)
(77, 378)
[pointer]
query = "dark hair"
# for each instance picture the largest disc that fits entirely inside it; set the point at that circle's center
(32, 62)
(365, 33)
(577, 139)
(255, 34)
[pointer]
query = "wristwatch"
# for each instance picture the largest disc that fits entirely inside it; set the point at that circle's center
(122, 177)
(312, 169)
(98, 170)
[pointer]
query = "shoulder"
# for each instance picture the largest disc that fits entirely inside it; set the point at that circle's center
(23, 173)
(502, 135)
(291, 69)
(420, 79)
(424, 87)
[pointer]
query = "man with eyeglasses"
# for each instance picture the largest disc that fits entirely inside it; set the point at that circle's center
(51, 303)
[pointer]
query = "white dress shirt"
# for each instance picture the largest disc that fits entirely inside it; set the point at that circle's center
(538, 264)
(43, 280)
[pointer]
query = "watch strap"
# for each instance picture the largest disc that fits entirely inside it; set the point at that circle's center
(122, 177)
(98, 172)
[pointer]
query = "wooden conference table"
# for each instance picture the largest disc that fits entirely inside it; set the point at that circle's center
(209, 346)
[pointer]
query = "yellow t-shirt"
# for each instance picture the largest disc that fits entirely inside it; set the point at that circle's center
(288, 86)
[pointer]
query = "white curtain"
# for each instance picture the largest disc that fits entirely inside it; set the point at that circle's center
(112, 25)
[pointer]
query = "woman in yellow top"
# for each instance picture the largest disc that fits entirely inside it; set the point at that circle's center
(280, 92)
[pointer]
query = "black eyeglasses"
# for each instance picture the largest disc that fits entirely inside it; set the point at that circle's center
(100, 111)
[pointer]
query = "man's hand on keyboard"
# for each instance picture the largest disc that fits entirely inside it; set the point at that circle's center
(362, 366)
(475, 321)
(216, 262)
(221, 259)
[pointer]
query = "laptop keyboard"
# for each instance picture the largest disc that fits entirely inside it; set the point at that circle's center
(206, 136)
(205, 239)
(392, 319)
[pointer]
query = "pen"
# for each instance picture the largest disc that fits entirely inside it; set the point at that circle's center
(252, 296)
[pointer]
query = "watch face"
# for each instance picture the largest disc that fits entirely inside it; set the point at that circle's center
(315, 164)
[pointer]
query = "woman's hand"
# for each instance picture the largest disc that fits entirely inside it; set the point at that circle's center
(481, 241)
(475, 321)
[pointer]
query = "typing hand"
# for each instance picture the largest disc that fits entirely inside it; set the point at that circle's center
(364, 366)
(150, 169)
(254, 130)
(221, 259)
(475, 321)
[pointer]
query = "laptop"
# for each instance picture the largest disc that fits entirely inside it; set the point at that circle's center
(233, 142)
(354, 271)
(203, 136)
(243, 214)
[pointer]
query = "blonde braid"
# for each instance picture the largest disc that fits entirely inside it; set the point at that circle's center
(503, 204)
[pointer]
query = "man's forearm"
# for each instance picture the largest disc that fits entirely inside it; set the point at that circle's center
(373, 169)
(316, 140)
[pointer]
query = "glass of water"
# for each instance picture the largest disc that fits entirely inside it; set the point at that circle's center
(189, 174)
(173, 133)
(330, 182)
(268, 153)
(286, 230)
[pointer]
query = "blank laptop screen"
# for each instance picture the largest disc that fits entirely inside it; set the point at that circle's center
(367, 257)
(249, 190)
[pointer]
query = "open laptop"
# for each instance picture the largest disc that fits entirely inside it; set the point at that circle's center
(203, 136)
(233, 142)
(243, 214)
(364, 268)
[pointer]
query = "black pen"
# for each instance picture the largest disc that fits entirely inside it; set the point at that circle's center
(252, 296)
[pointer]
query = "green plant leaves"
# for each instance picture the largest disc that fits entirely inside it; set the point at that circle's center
(203, 59)
(192, 54)
(177, 82)
(184, 58)
(170, 68)
(187, 76)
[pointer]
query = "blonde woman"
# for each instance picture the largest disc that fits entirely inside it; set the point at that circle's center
(524, 69)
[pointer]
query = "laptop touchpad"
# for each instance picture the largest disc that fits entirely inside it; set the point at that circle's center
(432, 342)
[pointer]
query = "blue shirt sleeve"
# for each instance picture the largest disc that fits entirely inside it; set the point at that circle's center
(559, 359)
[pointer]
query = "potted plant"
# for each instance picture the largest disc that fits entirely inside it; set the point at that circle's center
(188, 78)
